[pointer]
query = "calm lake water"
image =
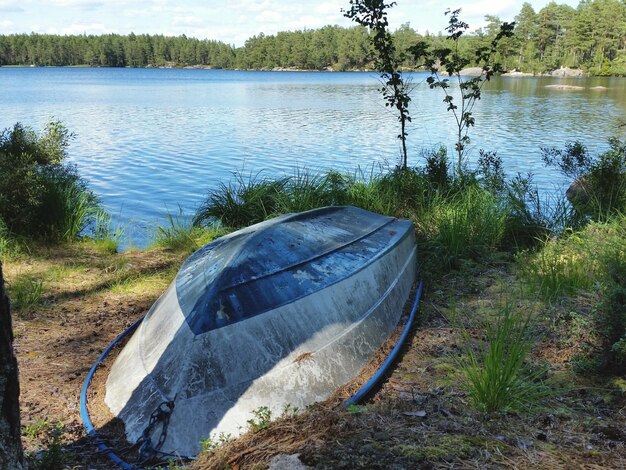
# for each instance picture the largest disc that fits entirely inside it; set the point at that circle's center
(151, 140)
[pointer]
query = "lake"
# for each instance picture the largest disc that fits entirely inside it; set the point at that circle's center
(152, 140)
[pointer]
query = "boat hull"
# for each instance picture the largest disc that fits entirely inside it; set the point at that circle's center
(295, 354)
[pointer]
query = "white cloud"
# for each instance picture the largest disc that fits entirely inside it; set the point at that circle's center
(187, 21)
(253, 6)
(308, 22)
(269, 17)
(490, 7)
(80, 28)
(330, 8)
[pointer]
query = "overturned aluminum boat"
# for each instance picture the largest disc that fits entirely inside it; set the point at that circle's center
(280, 313)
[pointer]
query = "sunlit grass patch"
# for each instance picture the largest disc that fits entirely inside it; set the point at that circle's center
(25, 291)
(180, 234)
(448, 447)
(106, 236)
(152, 284)
(575, 262)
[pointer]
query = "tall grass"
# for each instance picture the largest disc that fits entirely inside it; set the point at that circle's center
(590, 263)
(467, 224)
(6, 244)
(70, 208)
(497, 377)
(105, 236)
(305, 190)
(181, 235)
(559, 268)
(241, 202)
(455, 217)
(247, 200)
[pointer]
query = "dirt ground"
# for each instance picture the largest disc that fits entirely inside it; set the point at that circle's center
(88, 300)
(421, 416)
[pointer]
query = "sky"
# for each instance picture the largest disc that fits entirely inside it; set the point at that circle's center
(231, 21)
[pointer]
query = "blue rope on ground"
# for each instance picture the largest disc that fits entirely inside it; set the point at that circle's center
(84, 412)
(104, 448)
(382, 370)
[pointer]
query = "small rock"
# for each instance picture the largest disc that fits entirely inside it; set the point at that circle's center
(287, 462)
(565, 87)
(566, 72)
(472, 72)
(419, 414)
(524, 445)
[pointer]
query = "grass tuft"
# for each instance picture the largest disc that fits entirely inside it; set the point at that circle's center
(497, 378)
(25, 292)
(106, 237)
(181, 235)
(466, 225)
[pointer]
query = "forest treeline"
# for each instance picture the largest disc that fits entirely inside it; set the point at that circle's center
(591, 37)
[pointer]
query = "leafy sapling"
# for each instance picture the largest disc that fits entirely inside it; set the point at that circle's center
(372, 14)
(452, 62)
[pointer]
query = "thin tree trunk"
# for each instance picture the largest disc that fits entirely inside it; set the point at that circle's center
(404, 156)
(11, 454)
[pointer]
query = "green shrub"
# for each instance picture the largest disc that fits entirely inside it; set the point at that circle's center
(601, 180)
(497, 377)
(261, 420)
(211, 444)
(52, 456)
(437, 168)
(68, 207)
(40, 195)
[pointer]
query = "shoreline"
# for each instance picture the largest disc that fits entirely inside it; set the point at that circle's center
(563, 72)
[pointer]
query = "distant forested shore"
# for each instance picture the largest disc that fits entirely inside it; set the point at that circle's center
(591, 37)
